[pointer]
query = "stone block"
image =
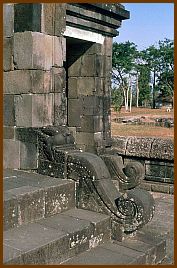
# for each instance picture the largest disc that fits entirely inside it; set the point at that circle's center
(92, 105)
(86, 86)
(91, 124)
(59, 198)
(43, 109)
(155, 170)
(162, 149)
(27, 81)
(140, 147)
(7, 54)
(85, 138)
(31, 203)
(34, 50)
(74, 67)
(108, 46)
(8, 20)
(11, 255)
(60, 109)
(88, 65)
(60, 18)
(10, 209)
(9, 110)
(99, 65)
(27, 17)
(74, 112)
(59, 79)
(41, 243)
(8, 133)
(28, 155)
(162, 188)
(73, 87)
(23, 110)
(33, 110)
(11, 154)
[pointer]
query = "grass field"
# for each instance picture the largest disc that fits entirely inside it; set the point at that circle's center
(119, 129)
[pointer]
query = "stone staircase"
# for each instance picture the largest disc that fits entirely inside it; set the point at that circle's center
(43, 226)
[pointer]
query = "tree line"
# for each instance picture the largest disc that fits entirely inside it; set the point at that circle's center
(140, 78)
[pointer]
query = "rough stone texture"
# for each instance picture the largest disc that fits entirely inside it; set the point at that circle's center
(9, 110)
(27, 81)
(10, 149)
(28, 155)
(7, 54)
(34, 110)
(119, 143)
(162, 149)
(40, 17)
(29, 197)
(30, 203)
(10, 217)
(8, 19)
(33, 50)
(58, 199)
(41, 243)
(139, 146)
(8, 133)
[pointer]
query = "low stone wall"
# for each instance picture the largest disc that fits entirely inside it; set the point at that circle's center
(157, 156)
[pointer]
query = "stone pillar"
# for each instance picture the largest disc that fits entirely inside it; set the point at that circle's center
(34, 77)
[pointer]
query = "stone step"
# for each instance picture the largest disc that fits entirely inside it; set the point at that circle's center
(55, 239)
(29, 196)
(141, 249)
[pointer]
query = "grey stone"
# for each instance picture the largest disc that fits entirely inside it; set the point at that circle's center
(31, 203)
(10, 209)
(79, 231)
(60, 109)
(162, 149)
(34, 50)
(39, 244)
(91, 124)
(119, 143)
(7, 54)
(28, 155)
(8, 133)
(8, 20)
(27, 17)
(23, 110)
(100, 256)
(88, 61)
(140, 147)
(59, 198)
(74, 112)
(9, 110)
(11, 148)
(11, 254)
(59, 79)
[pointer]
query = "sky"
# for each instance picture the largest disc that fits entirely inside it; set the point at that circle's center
(148, 23)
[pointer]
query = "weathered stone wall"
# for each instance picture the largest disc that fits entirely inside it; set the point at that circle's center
(89, 80)
(42, 89)
(157, 156)
(34, 76)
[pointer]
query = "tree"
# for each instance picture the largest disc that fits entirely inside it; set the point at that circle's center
(151, 57)
(123, 62)
(117, 99)
(144, 84)
(165, 79)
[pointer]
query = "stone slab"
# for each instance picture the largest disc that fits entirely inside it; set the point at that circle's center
(99, 256)
(37, 243)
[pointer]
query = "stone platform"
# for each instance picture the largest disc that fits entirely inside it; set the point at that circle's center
(43, 226)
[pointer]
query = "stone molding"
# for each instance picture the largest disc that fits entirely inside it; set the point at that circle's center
(152, 148)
